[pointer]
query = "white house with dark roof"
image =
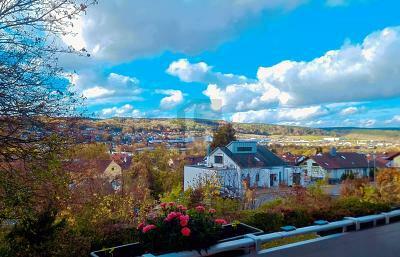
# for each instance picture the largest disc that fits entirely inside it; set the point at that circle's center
(242, 162)
(334, 165)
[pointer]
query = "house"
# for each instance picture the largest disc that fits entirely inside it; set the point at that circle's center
(108, 170)
(334, 165)
(242, 162)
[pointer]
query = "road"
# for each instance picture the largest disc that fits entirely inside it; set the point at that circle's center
(382, 241)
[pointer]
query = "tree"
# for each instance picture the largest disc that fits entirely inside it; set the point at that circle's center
(35, 105)
(388, 185)
(223, 136)
(32, 85)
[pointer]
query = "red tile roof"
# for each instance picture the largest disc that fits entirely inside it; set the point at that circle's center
(84, 165)
(123, 160)
(341, 160)
(391, 156)
(292, 159)
(193, 160)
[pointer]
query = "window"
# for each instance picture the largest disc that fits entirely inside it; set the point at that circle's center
(244, 149)
(257, 177)
(218, 159)
(116, 184)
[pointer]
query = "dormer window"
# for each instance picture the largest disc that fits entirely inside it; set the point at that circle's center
(218, 159)
(244, 149)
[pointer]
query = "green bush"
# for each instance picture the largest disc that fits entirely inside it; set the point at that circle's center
(353, 206)
(297, 217)
(266, 220)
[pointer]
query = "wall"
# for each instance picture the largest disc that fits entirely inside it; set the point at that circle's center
(396, 162)
(113, 171)
(227, 162)
(194, 175)
(313, 171)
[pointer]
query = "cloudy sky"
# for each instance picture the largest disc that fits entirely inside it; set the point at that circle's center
(316, 63)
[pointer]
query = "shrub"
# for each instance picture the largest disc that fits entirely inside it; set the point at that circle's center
(226, 207)
(297, 217)
(265, 220)
(354, 187)
(353, 206)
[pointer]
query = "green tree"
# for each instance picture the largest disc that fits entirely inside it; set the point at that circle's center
(223, 136)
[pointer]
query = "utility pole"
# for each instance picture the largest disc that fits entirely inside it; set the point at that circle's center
(374, 156)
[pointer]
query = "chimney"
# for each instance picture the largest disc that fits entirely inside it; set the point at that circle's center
(208, 149)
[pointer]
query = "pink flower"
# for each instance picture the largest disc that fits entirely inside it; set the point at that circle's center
(171, 216)
(220, 221)
(184, 220)
(183, 208)
(212, 211)
(163, 205)
(140, 226)
(171, 204)
(148, 228)
(200, 208)
(185, 231)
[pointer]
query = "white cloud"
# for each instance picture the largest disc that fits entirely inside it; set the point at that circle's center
(97, 92)
(126, 110)
(125, 29)
(174, 98)
(201, 72)
(241, 97)
(292, 116)
(349, 111)
(354, 73)
(394, 120)
(105, 89)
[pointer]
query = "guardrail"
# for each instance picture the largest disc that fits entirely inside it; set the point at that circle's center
(252, 243)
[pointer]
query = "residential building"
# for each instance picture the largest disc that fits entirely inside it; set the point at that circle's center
(242, 162)
(333, 166)
(108, 170)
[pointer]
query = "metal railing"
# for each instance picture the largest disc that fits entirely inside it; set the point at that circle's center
(252, 243)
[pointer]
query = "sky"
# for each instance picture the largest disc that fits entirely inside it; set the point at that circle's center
(317, 63)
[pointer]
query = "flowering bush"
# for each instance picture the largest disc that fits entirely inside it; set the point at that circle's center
(170, 227)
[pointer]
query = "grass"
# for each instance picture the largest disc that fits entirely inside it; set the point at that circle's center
(289, 240)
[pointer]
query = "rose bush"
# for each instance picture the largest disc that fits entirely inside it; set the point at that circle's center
(170, 227)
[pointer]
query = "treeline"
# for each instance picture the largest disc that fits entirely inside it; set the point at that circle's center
(196, 125)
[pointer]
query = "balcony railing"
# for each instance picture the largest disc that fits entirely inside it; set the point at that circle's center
(253, 243)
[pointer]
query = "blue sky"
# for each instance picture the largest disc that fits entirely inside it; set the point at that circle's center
(311, 63)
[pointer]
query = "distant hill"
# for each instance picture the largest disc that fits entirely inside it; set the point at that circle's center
(202, 125)
(365, 133)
